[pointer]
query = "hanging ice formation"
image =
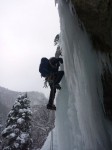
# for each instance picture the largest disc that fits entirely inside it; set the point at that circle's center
(79, 117)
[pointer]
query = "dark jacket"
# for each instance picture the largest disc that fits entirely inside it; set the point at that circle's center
(54, 64)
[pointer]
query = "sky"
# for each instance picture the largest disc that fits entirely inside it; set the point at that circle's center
(27, 32)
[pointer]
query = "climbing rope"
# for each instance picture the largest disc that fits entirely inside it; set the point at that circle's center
(51, 143)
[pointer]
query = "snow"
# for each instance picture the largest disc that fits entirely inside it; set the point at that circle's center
(79, 117)
(24, 137)
(20, 121)
(21, 110)
(17, 104)
(12, 135)
(8, 129)
(16, 145)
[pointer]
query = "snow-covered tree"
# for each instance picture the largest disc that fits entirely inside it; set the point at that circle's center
(17, 134)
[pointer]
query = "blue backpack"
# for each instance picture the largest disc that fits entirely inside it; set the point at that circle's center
(44, 67)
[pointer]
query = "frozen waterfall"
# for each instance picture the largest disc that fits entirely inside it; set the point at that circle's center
(79, 117)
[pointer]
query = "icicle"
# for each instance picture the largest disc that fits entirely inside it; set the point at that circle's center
(56, 2)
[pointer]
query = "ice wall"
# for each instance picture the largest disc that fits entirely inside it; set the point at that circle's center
(79, 117)
(51, 142)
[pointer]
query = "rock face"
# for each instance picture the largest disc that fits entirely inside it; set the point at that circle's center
(96, 16)
(42, 124)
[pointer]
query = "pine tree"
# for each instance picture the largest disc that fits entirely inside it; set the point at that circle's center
(17, 134)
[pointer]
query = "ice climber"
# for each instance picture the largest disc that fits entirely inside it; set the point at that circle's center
(49, 68)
